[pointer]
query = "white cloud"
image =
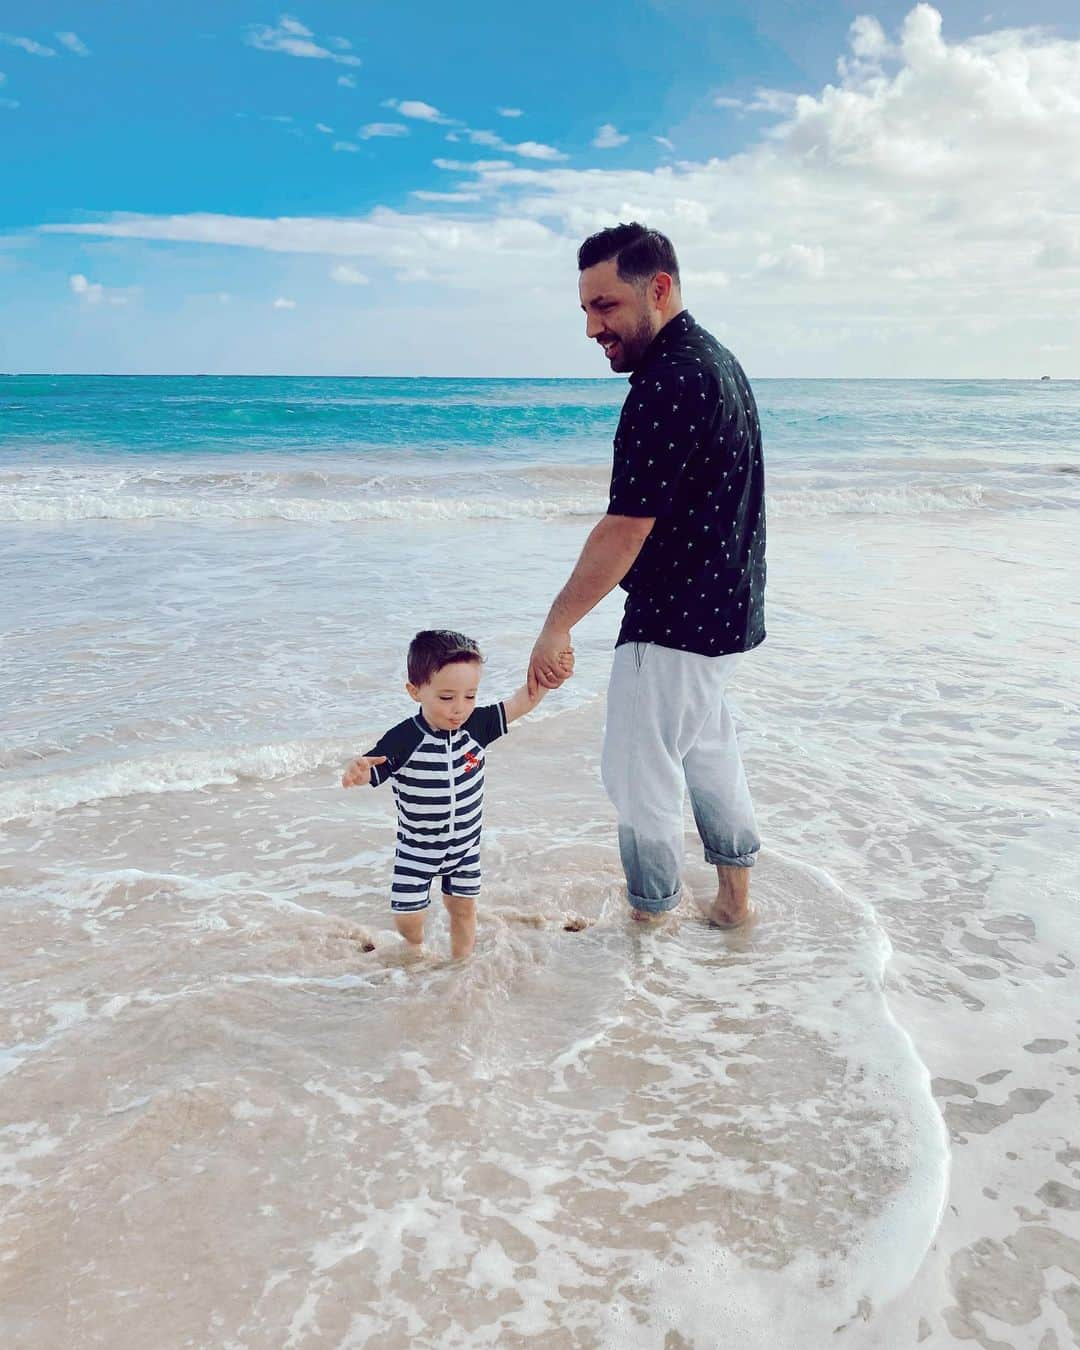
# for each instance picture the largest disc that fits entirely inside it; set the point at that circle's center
(282, 303)
(93, 293)
(347, 147)
(452, 251)
(868, 40)
(711, 277)
(81, 286)
(931, 186)
(526, 149)
(805, 260)
(509, 112)
(9, 102)
(224, 298)
(349, 276)
(535, 150)
(382, 129)
(472, 166)
(326, 131)
(483, 138)
(608, 137)
(291, 37)
(422, 112)
(777, 102)
(663, 140)
(425, 196)
(26, 45)
(73, 43)
(347, 81)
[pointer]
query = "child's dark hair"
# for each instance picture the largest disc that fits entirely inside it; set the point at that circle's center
(434, 648)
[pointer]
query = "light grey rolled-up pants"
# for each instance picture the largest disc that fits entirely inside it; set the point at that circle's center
(669, 731)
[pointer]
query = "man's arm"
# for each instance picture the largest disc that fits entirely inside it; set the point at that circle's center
(608, 555)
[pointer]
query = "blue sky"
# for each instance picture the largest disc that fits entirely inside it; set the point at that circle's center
(150, 153)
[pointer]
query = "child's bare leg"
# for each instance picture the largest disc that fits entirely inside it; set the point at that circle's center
(411, 927)
(462, 911)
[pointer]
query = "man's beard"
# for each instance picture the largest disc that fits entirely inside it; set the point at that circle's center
(633, 347)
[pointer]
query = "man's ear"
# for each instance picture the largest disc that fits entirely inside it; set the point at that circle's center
(662, 286)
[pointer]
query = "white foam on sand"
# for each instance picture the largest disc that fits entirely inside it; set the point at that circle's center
(624, 1134)
(69, 508)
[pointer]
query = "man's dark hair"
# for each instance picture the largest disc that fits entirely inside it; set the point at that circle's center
(434, 648)
(639, 252)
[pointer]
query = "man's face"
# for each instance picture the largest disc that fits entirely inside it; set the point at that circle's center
(618, 314)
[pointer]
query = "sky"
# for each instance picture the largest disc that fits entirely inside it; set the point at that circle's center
(854, 190)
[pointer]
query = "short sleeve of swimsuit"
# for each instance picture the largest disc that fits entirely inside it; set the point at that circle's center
(487, 724)
(398, 745)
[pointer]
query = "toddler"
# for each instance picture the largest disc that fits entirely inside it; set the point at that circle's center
(436, 761)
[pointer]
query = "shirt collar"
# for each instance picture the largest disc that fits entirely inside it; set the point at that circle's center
(672, 331)
(431, 731)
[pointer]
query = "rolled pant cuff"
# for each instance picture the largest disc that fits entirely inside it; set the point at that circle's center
(654, 906)
(725, 860)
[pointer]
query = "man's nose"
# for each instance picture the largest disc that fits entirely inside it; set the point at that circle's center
(594, 325)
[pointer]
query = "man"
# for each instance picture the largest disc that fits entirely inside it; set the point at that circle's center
(685, 537)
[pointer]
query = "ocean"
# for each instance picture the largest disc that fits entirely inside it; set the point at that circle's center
(232, 1113)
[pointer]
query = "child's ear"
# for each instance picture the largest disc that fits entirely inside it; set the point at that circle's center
(413, 691)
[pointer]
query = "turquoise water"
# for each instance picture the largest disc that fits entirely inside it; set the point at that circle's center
(519, 419)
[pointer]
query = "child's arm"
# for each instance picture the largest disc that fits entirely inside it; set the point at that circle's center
(522, 702)
(358, 773)
(390, 753)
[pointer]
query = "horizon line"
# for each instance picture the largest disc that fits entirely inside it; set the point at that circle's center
(598, 379)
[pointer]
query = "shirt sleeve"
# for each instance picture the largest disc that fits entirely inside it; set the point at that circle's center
(661, 429)
(487, 724)
(397, 745)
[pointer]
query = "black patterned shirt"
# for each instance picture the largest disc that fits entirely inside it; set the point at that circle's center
(688, 451)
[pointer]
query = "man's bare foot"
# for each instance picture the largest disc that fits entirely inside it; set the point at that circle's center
(719, 917)
(731, 908)
(644, 916)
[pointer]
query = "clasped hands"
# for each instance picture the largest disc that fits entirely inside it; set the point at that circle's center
(552, 661)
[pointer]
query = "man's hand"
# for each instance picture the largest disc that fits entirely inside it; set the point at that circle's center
(551, 663)
(359, 771)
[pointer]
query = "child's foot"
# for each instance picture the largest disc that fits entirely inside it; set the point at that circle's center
(576, 924)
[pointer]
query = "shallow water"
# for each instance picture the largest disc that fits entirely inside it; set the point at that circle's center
(226, 1121)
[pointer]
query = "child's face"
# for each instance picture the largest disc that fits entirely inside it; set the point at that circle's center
(449, 697)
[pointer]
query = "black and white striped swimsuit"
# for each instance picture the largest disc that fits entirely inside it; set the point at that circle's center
(438, 779)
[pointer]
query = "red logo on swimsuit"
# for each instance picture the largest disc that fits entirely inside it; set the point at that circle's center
(471, 762)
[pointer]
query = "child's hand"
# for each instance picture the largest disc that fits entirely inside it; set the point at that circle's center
(566, 662)
(359, 771)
